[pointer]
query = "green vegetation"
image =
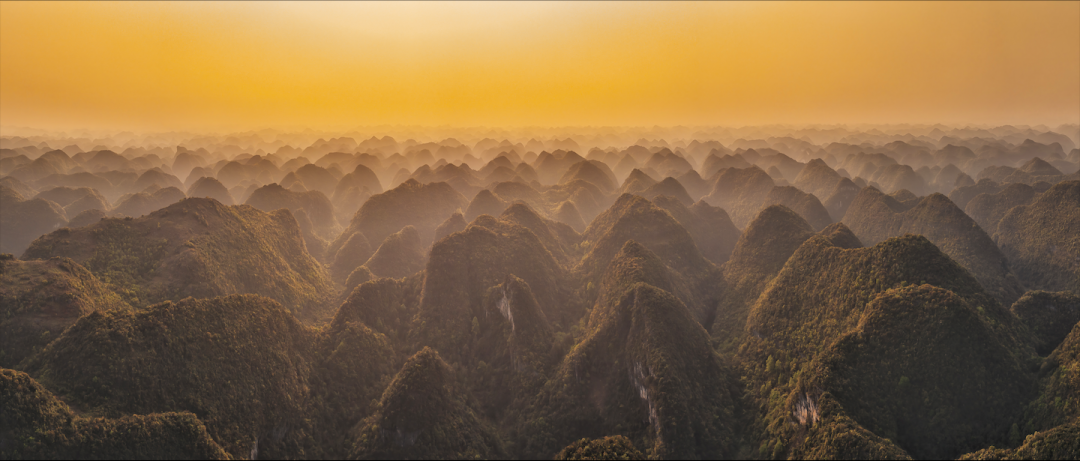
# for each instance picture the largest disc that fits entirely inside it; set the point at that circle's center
(761, 251)
(423, 206)
(200, 248)
(423, 414)
(874, 217)
(209, 357)
(1062, 442)
(1050, 316)
(400, 255)
(40, 299)
(1041, 242)
(34, 424)
(845, 321)
(614, 447)
(634, 218)
(644, 370)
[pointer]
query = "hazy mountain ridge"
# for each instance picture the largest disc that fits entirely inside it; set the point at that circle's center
(753, 297)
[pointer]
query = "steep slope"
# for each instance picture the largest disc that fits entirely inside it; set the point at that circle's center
(817, 178)
(740, 192)
(354, 253)
(711, 228)
(464, 265)
(353, 364)
(1060, 442)
(211, 187)
(1050, 316)
(669, 187)
(568, 214)
(634, 218)
(144, 203)
(840, 321)
(759, 254)
(612, 447)
(209, 357)
(874, 217)
(400, 255)
(839, 235)
(485, 202)
(593, 172)
(1041, 242)
(39, 299)
(424, 206)
(988, 209)
(838, 201)
(644, 370)
(34, 424)
(198, 247)
(23, 220)
(422, 414)
(802, 203)
(1059, 387)
(314, 203)
(557, 237)
(455, 223)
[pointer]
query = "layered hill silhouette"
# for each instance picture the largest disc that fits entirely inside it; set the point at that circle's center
(198, 247)
(169, 358)
(465, 264)
(635, 218)
(423, 414)
(24, 220)
(682, 292)
(874, 217)
(34, 424)
(400, 255)
(644, 366)
(40, 299)
(424, 206)
(825, 329)
(987, 209)
(1039, 241)
(741, 192)
(711, 228)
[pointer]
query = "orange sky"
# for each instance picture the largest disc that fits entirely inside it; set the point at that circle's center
(211, 66)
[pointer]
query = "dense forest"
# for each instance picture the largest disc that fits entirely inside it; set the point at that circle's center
(897, 292)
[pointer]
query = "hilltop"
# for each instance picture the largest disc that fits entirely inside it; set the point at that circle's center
(874, 217)
(209, 357)
(635, 218)
(833, 318)
(644, 369)
(1040, 242)
(34, 424)
(422, 414)
(24, 220)
(424, 206)
(40, 299)
(198, 247)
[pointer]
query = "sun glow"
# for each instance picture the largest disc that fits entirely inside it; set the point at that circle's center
(207, 65)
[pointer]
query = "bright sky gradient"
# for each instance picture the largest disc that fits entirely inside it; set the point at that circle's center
(246, 65)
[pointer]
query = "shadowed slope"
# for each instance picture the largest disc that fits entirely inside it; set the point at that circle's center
(422, 414)
(826, 321)
(1041, 239)
(34, 424)
(644, 369)
(874, 217)
(209, 357)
